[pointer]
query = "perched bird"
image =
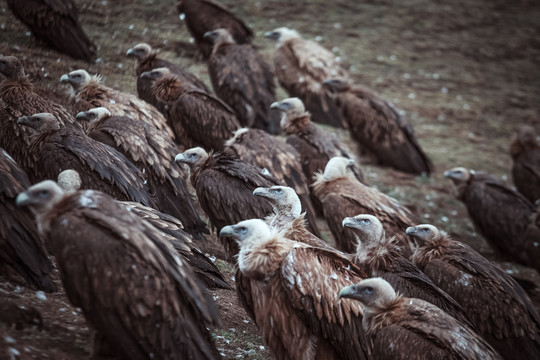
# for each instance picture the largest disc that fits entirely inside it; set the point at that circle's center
(125, 279)
(497, 305)
(525, 151)
(301, 66)
(56, 23)
(200, 118)
(101, 167)
(151, 151)
(202, 16)
(407, 328)
(224, 185)
(242, 79)
(379, 128)
(280, 159)
(90, 93)
(377, 255)
(499, 213)
(293, 294)
(20, 245)
(342, 195)
(532, 238)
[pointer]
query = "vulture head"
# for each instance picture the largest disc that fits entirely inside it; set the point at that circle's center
(422, 234)
(156, 73)
(69, 180)
(367, 228)
(41, 122)
(282, 34)
(338, 167)
(284, 199)
(247, 233)
(525, 140)
(219, 36)
(290, 109)
(336, 86)
(192, 156)
(41, 197)
(94, 114)
(76, 78)
(373, 293)
(11, 67)
(140, 51)
(460, 178)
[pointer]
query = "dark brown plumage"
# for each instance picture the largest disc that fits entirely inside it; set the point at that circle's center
(379, 128)
(56, 23)
(151, 151)
(91, 93)
(201, 119)
(202, 16)
(280, 159)
(525, 151)
(342, 195)
(532, 238)
(20, 245)
(224, 186)
(499, 213)
(100, 166)
(242, 79)
(293, 294)
(405, 328)
(124, 277)
(300, 67)
(497, 305)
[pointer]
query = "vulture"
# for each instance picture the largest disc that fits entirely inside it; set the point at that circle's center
(91, 93)
(241, 78)
(224, 185)
(169, 227)
(200, 118)
(202, 16)
(19, 98)
(379, 128)
(499, 213)
(532, 238)
(265, 151)
(342, 195)
(146, 60)
(378, 256)
(525, 152)
(133, 289)
(20, 245)
(300, 67)
(287, 216)
(406, 328)
(150, 150)
(293, 294)
(101, 167)
(497, 305)
(56, 23)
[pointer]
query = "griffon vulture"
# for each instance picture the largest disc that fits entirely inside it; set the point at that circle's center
(293, 293)
(379, 128)
(57, 24)
(150, 150)
(100, 166)
(20, 245)
(202, 16)
(342, 195)
(133, 289)
(532, 238)
(496, 304)
(301, 66)
(525, 151)
(242, 79)
(413, 329)
(499, 213)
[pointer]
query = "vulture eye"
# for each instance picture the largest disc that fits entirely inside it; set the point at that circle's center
(76, 76)
(278, 191)
(368, 290)
(424, 230)
(43, 193)
(242, 230)
(365, 221)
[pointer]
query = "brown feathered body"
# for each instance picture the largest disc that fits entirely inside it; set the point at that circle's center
(56, 23)
(282, 161)
(20, 245)
(242, 79)
(525, 151)
(202, 16)
(379, 128)
(126, 280)
(496, 304)
(532, 239)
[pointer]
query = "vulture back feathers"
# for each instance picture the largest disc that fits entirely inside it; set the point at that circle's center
(525, 152)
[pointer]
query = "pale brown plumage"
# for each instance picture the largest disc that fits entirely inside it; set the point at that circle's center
(525, 152)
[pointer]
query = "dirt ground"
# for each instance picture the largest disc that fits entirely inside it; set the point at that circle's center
(466, 74)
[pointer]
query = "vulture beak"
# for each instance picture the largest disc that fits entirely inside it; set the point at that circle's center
(411, 230)
(23, 199)
(146, 74)
(348, 222)
(227, 231)
(280, 105)
(348, 292)
(64, 78)
(271, 35)
(350, 163)
(211, 35)
(82, 116)
(261, 191)
(181, 158)
(130, 52)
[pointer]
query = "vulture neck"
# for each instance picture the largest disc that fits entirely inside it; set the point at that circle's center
(431, 250)
(382, 314)
(260, 260)
(284, 216)
(92, 90)
(296, 124)
(168, 89)
(12, 90)
(146, 64)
